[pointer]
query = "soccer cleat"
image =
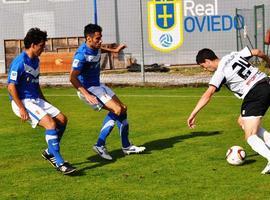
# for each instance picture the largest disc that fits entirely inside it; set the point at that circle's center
(66, 168)
(102, 151)
(266, 170)
(51, 159)
(133, 149)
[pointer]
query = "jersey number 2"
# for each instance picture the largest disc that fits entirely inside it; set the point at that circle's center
(244, 65)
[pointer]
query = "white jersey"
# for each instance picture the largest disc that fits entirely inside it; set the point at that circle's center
(237, 73)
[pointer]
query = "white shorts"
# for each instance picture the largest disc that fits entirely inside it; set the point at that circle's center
(36, 108)
(103, 94)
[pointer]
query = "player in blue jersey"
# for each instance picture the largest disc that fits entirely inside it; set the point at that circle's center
(28, 101)
(85, 77)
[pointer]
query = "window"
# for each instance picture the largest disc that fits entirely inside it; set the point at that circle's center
(16, 1)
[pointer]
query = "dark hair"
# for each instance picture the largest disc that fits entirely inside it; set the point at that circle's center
(34, 36)
(90, 29)
(205, 54)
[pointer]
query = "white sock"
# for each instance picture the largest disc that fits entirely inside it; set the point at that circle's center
(264, 135)
(259, 146)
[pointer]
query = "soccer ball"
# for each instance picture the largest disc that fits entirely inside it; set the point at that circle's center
(236, 155)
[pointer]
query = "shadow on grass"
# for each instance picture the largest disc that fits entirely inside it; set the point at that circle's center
(169, 142)
(249, 161)
(155, 145)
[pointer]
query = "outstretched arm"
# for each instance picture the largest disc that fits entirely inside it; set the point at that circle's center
(261, 54)
(206, 97)
(113, 50)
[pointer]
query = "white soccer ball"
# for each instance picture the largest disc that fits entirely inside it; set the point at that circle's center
(236, 155)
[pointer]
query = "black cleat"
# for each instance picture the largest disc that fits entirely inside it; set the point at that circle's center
(66, 168)
(50, 158)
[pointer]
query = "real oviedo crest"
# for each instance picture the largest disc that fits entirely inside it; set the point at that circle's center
(165, 26)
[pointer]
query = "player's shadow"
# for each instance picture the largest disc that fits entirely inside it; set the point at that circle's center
(155, 145)
(169, 142)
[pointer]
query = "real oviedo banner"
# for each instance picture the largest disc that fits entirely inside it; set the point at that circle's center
(168, 19)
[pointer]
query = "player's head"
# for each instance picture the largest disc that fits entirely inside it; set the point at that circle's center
(93, 35)
(35, 39)
(207, 59)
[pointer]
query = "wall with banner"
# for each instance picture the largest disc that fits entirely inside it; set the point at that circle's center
(172, 30)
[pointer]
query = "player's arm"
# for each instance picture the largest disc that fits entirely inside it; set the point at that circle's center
(112, 50)
(76, 83)
(206, 97)
(259, 53)
(13, 92)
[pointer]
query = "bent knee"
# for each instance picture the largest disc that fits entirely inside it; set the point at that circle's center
(119, 110)
(124, 108)
(47, 122)
(61, 118)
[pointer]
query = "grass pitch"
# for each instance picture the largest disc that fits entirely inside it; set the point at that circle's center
(179, 163)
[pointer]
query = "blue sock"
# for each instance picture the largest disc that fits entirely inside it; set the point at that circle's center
(123, 127)
(53, 145)
(106, 129)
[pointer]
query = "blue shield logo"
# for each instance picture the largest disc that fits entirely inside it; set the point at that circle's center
(165, 15)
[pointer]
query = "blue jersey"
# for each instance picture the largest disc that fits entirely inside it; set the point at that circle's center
(24, 73)
(87, 61)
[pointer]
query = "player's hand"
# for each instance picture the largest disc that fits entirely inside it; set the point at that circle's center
(24, 114)
(91, 99)
(191, 121)
(121, 47)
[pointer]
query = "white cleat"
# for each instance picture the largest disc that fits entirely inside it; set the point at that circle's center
(133, 149)
(102, 151)
(266, 170)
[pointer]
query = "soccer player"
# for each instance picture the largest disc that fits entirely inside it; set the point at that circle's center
(85, 77)
(249, 84)
(29, 103)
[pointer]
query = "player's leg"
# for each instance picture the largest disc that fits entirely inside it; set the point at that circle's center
(119, 111)
(50, 113)
(103, 95)
(251, 127)
(61, 123)
(105, 131)
(54, 145)
(262, 133)
(52, 139)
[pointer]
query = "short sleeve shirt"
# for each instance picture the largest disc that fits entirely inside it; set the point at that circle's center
(87, 61)
(24, 73)
(237, 73)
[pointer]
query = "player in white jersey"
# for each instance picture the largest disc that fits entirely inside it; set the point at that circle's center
(248, 83)
(29, 103)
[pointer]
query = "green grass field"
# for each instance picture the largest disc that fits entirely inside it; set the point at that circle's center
(179, 163)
